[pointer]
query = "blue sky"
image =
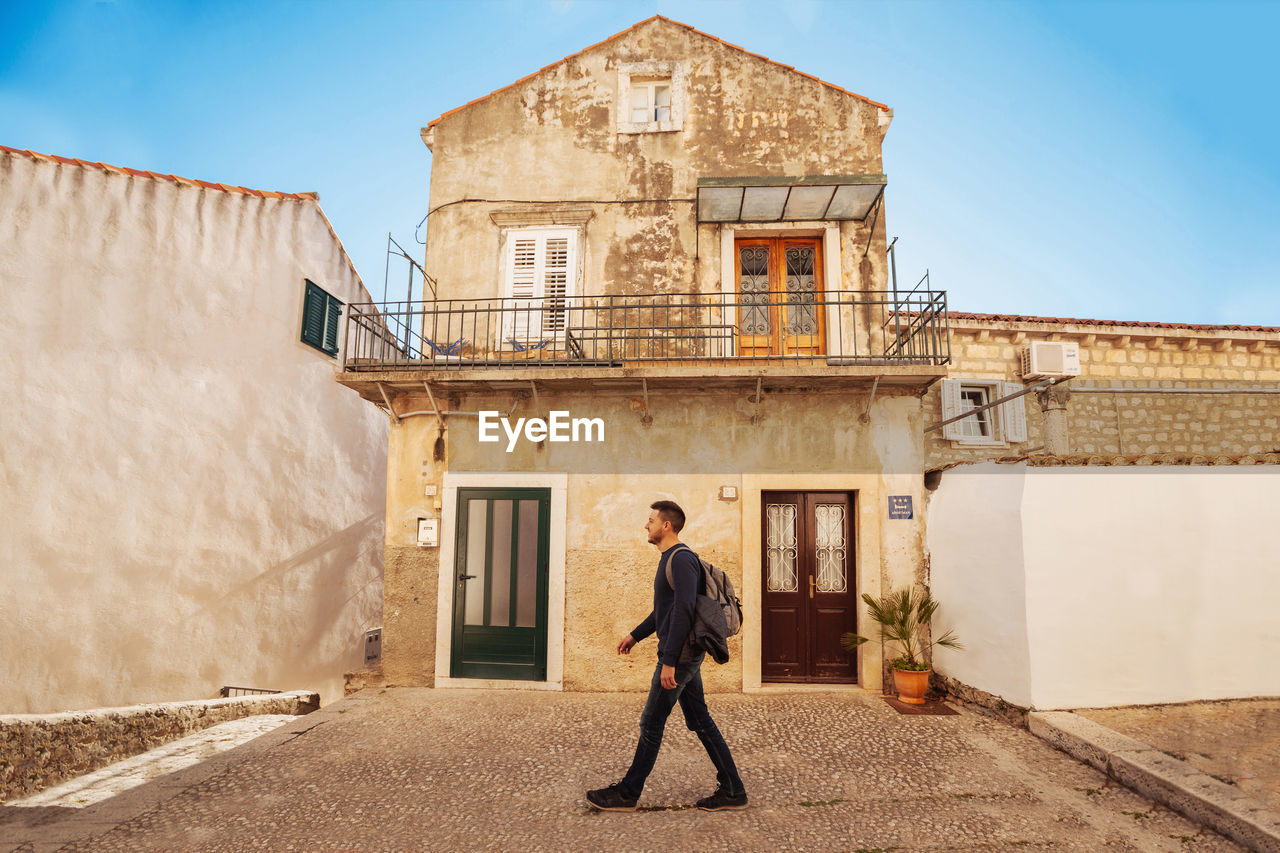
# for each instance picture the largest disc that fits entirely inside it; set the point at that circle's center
(1114, 160)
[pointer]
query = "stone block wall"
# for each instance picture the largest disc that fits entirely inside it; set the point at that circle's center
(1165, 387)
(39, 750)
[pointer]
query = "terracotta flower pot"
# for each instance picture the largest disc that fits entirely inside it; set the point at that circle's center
(911, 685)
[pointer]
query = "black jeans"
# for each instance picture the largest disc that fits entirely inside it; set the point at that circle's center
(653, 720)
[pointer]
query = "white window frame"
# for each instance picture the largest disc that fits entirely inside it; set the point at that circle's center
(1008, 421)
(832, 284)
(649, 74)
(513, 323)
(650, 87)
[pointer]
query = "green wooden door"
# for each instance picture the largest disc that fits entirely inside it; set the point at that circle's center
(500, 583)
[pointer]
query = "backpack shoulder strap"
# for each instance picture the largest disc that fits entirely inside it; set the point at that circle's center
(670, 582)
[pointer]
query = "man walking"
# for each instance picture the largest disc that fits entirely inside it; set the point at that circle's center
(673, 681)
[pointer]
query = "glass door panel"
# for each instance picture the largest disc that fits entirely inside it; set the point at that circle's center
(477, 564)
(755, 308)
(527, 566)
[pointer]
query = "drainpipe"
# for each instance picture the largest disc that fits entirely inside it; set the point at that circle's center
(1053, 403)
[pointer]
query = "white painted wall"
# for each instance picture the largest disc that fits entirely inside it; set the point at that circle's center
(974, 540)
(189, 499)
(1139, 585)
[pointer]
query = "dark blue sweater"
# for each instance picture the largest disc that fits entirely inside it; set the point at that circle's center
(672, 615)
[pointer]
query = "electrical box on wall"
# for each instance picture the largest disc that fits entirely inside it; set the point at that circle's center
(372, 645)
(1050, 360)
(428, 532)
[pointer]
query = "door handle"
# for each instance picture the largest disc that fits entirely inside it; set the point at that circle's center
(811, 586)
(462, 578)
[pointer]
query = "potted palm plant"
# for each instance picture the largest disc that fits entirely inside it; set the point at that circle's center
(904, 616)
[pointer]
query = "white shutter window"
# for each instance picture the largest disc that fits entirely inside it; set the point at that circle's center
(1013, 413)
(540, 272)
(555, 285)
(524, 261)
(951, 409)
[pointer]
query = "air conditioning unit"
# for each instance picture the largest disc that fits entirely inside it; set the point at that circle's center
(1050, 360)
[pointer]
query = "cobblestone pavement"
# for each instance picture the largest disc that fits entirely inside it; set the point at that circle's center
(1237, 742)
(418, 769)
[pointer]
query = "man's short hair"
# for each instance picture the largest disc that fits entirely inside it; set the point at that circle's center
(670, 511)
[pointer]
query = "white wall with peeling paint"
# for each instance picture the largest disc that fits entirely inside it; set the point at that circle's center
(189, 499)
(1087, 587)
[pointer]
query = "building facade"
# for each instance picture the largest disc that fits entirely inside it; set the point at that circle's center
(611, 238)
(190, 500)
(659, 270)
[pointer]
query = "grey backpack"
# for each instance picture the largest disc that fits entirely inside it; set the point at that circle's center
(718, 588)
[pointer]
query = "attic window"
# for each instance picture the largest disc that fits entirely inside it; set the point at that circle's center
(650, 97)
(651, 100)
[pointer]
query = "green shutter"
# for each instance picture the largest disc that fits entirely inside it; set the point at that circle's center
(331, 327)
(320, 314)
(313, 316)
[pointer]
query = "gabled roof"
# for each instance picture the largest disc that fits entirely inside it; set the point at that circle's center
(191, 182)
(122, 170)
(528, 77)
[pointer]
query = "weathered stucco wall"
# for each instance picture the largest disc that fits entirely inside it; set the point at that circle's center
(1087, 587)
(553, 141)
(1136, 358)
(693, 446)
(190, 499)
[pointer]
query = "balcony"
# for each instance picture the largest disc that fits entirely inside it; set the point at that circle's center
(857, 335)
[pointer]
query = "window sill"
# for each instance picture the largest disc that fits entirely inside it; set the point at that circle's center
(649, 127)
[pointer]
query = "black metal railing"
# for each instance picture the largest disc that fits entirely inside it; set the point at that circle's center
(918, 323)
(846, 327)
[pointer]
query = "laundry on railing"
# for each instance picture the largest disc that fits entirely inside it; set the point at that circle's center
(451, 349)
(526, 346)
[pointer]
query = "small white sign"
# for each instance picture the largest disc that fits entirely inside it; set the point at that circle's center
(428, 532)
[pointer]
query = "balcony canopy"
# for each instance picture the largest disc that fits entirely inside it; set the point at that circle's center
(807, 198)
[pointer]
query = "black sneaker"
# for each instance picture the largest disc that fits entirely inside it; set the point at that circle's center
(612, 799)
(722, 800)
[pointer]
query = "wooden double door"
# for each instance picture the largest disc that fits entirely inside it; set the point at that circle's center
(781, 297)
(809, 597)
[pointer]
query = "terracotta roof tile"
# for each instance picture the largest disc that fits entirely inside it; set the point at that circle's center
(1104, 460)
(125, 170)
(1047, 460)
(527, 77)
(1074, 321)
